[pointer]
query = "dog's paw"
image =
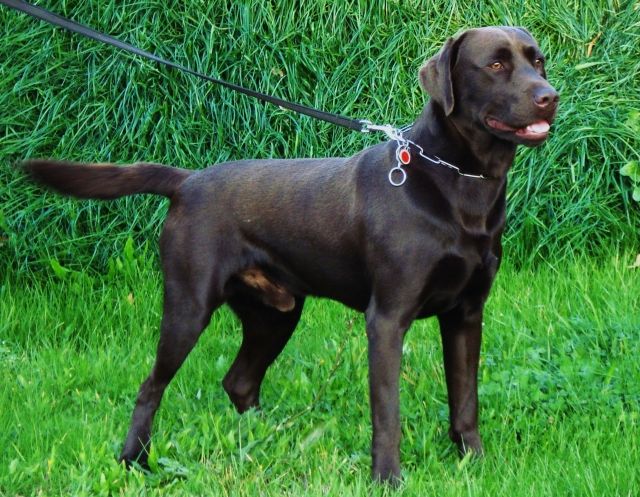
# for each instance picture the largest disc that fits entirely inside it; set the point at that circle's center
(468, 442)
(387, 472)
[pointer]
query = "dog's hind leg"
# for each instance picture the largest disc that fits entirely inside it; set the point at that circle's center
(192, 291)
(265, 332)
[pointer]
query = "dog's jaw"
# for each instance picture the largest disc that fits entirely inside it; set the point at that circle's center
(531, 135)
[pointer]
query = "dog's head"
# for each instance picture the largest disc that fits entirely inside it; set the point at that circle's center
(496, 78)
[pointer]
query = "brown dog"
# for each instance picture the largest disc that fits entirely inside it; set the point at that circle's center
(261, 235)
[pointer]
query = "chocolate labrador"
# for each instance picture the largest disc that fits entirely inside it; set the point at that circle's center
(403, 230)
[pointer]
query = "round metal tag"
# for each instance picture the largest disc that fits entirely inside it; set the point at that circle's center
(397, 171)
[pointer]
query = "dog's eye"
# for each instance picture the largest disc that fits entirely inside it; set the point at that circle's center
(539, 62)
(497, 65)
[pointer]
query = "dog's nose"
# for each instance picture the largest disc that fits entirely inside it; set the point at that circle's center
(545, 96)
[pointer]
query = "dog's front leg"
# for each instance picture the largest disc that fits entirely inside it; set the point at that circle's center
(385, 333)
(461, 332)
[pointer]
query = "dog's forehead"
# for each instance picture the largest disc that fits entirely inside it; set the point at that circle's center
(485, 41)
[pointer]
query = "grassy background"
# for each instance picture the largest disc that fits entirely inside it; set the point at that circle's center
(79, 285)
(67, 97)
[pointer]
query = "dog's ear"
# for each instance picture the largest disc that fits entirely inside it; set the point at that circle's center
(435, 75)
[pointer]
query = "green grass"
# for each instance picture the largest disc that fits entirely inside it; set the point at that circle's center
(559, 389)
(72, 98)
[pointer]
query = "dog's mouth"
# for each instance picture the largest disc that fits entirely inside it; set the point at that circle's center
(534, 132)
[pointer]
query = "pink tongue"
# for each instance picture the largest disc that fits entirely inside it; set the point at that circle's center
(538, 127)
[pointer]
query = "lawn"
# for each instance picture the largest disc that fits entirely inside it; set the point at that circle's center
(80, 287)
(559, 392)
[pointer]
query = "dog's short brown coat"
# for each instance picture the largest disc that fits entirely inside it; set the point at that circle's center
(263, 234)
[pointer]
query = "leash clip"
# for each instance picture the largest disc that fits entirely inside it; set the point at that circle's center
(397, 175)
(391, 131)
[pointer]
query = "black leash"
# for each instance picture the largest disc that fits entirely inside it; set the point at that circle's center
(397, 175)
(75, 27)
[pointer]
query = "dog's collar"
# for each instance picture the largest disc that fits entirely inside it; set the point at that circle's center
(397, 175)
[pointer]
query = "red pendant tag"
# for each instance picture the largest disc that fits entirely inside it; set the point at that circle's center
(404, 156)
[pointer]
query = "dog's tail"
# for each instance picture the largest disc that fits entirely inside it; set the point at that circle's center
(105, 181)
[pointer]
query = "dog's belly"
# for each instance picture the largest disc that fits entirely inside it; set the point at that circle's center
(452, 281)
(321, 275)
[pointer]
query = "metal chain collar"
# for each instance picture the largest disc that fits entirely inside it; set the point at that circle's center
(397, 174)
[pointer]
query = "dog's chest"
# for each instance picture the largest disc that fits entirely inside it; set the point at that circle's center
(459, 276)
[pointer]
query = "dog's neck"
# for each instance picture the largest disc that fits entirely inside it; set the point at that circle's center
(473, 150)
(479, 204)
